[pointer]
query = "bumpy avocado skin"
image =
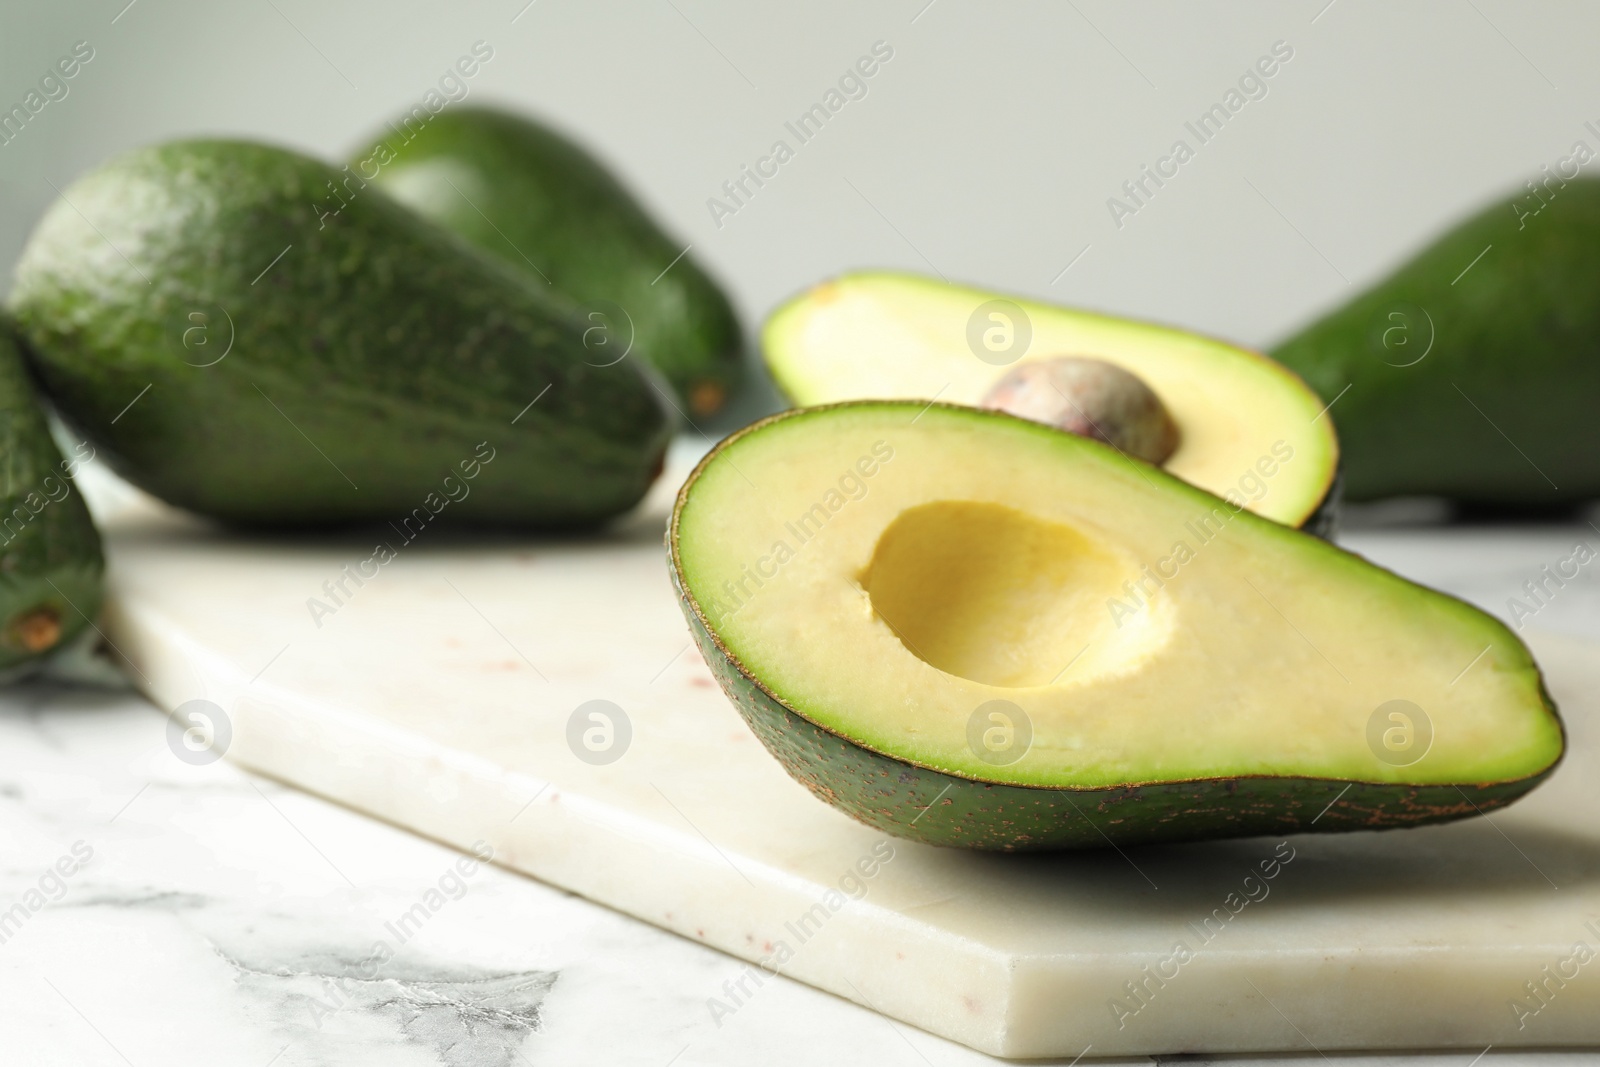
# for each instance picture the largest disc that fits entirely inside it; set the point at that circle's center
(531, 196)
(50, 561)
(1497, 404)
(229, 346)
(934, 808)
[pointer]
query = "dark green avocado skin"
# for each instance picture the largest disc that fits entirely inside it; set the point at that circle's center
(935, 808)
(539, 201)
(196, 311)
(1501, 409)
(50, 561)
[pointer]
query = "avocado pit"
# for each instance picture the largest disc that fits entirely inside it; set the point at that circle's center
(1091, 398)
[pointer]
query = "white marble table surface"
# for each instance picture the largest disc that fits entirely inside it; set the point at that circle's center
(215, 907)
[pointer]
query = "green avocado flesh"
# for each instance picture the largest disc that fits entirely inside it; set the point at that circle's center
(196, 311)
(540, 202)
(973, 630)
(887, 336)
(1473, 371)
(50, 562)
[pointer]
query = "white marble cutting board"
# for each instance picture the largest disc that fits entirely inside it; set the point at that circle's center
(438, 696)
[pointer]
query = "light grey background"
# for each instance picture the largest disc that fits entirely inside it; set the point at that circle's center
(986, 148)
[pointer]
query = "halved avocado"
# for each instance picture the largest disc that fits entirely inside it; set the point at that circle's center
(969, 629)
(886, 336)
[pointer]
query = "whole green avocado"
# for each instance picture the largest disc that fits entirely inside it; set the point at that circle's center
(231, 347)
(1473, 371)
(50, 561)
(531, 196)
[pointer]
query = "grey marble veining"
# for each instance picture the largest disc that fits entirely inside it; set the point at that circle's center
(201, 930)
(212, 925)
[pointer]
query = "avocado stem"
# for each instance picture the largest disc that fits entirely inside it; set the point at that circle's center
(36, 630)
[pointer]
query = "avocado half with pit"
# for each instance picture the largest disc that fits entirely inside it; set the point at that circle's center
(970, 629)
(889, 336)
